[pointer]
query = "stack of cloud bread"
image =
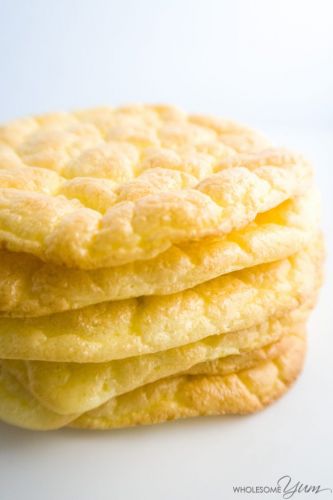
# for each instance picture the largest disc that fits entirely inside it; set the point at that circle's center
(154, 265)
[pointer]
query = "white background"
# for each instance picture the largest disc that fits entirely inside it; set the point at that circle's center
(268, 63)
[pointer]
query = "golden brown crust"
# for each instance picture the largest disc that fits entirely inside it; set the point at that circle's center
(244, 392)
(166, 176)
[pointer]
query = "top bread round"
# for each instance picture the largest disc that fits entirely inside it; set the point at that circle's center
(107, 187)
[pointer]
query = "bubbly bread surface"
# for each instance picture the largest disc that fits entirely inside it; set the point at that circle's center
(30, 287)
(111, 186)
(116, 330)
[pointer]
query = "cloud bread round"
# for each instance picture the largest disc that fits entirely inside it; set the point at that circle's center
(68, 388)
(108, 187)
(121, 329)
(244, 384)
(30, 287)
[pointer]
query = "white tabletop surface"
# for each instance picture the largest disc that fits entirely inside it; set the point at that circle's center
(201, 458)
